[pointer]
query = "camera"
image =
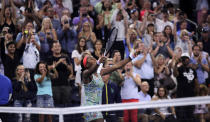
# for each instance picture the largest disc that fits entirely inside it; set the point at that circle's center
(66, 22)
(48, 33)
(84, 15)
(29, 10)
(128, 70)
(25, 33)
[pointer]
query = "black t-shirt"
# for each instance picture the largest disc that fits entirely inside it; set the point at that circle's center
(9, 63)
(186, 82)
(63, 72)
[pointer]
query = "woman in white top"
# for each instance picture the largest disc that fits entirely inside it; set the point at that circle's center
(76, 55)
(163, 114)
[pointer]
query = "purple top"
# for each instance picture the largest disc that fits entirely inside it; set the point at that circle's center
(77, 19)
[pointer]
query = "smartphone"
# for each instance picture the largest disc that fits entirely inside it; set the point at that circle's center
(66, 22)
(128, 70)
(84, 15)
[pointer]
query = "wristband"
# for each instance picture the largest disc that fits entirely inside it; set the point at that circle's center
(98, 62)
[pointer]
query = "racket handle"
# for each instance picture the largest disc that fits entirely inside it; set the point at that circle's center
(131, 55)
(99, 68)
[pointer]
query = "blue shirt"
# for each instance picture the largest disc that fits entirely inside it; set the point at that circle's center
(144, 97)
(19, 36)
(68, 39)
(199, 70)
(146, 71)
(5, 89)
(44, 87)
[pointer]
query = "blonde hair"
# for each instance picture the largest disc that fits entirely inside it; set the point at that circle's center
(88, 25)
(133, 31)
(136, 43)
(183, 33)
(159, 56)
(23, 86)
(43, 22)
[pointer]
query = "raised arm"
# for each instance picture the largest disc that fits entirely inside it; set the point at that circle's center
(13, 12)
(108, 70)
(2, 12)
(3, 54)
(137, 79)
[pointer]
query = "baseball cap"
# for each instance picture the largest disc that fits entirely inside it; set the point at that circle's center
(185, 55)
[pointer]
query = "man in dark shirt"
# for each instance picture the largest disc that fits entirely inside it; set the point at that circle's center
(60, 85)
(12, 58)
(187, 87)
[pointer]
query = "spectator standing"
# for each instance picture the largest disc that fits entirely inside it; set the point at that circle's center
(55, 21)
(24, 91)
(101, 30)
(59, 7)
(134, 16)
(129, 92)
(12, 59)
(8, 16)
(31, 54)
(6, 93)
(47, 35)
(144, 65)
(68, 4)
(67, 35)
(131, 38)
(185, 42)
(171, 34)
(43, 11)
(187, 87)
(27, 29)
(200, 64)
(162, 73)
(43, 82)
(119, 20)
(41, 3)
(31, 13)
(89, 35)
(98, 52)
(161, 23)
(82, 18)
(205, 38)
(60, 85)
(77, 56)
(163, 46)
(116, 76)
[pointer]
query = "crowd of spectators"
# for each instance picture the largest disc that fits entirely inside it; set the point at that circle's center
(42, 43)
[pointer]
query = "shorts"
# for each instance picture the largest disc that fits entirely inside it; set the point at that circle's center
(45, 101)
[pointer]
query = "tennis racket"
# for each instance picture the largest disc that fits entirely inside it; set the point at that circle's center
(112, 38)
